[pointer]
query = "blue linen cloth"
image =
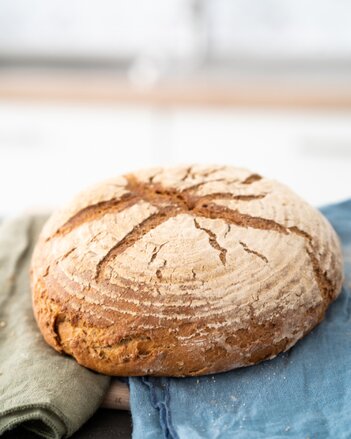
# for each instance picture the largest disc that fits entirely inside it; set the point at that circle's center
(304, 393)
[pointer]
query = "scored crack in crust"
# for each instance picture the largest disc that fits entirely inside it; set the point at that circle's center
(183, 271)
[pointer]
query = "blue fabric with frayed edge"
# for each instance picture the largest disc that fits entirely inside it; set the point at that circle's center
(303, 393)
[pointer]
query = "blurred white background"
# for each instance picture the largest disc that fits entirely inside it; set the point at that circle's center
(91, 89)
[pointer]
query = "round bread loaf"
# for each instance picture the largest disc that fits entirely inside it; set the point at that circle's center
(183, 271)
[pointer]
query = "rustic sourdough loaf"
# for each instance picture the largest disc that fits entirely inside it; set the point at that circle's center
(183, 271)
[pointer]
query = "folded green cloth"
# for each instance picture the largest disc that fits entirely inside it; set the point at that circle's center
(40, 390)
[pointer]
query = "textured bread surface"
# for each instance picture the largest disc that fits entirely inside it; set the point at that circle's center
(183, 271)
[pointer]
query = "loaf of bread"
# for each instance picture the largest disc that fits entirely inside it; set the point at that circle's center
(183, 271)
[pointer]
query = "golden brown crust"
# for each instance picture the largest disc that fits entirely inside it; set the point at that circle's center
(183, 271)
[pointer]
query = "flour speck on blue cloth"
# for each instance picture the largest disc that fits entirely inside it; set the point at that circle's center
(303, 393)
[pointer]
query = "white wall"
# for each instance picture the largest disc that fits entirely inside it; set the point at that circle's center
(49, 152)
(233, 28)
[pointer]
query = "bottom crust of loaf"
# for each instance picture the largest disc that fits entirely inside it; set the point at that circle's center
(159, 352)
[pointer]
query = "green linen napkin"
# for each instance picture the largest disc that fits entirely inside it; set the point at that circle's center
(40, 390)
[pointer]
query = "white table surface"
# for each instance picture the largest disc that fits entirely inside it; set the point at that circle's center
(48, 152)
